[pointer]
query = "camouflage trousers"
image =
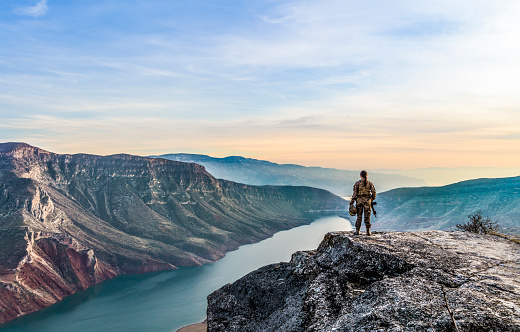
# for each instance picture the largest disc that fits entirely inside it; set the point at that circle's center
(363, 207)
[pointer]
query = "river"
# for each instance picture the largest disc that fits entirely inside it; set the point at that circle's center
(166, 301)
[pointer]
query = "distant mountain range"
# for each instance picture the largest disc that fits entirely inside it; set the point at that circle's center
(441, 176)
(260, 172)
(413, 207)
(70, 221)
(443, 207)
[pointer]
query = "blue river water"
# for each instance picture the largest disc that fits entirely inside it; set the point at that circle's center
(166, 301)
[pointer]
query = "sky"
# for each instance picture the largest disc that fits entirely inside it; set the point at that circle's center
(332, 83)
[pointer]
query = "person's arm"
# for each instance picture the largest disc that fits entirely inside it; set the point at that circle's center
(354, 193)
(373, 189)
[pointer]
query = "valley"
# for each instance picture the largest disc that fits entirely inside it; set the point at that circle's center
(71, 221)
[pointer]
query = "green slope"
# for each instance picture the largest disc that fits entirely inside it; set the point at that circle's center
(444, 207)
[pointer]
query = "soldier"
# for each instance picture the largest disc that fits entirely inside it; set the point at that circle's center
(363, 195)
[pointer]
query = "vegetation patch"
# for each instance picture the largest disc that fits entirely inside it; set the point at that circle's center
(484, 225)
(478, 224)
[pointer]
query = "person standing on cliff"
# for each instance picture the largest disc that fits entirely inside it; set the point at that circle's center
(363, 195)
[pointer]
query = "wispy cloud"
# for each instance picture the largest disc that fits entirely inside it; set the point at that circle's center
(37, 10)
(341, 140)
(281, 80)
(275, 20)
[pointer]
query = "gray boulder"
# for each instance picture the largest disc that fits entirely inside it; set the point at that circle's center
(423, 281)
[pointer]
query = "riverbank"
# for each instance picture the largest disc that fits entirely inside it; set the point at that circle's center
(199, 327)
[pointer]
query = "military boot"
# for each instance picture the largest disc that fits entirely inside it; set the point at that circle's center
(368, 231)
(357, 231)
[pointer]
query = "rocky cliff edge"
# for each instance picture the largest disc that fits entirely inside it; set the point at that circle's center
(422, 281)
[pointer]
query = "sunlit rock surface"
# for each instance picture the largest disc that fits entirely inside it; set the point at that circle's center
(388, 282)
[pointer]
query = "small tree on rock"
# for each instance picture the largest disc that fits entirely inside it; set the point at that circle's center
(478, 224)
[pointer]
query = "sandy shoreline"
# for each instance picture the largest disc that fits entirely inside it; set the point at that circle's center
(199, 327)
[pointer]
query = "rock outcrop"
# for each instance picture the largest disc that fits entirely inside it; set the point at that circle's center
(70, 221)
(424, 281)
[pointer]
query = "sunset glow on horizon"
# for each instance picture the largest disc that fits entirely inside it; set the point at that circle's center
(343, 84)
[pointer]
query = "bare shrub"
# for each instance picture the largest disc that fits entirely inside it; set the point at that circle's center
(478, 224)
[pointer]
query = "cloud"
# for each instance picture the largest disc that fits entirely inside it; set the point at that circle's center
(281, 81)
(314, 140)
(275, 20)
(37, 10)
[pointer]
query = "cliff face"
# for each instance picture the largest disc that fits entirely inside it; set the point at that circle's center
(51, 270)
(70, 221)
(387, 282)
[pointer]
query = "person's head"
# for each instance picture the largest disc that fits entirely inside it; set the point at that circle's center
(363, 175)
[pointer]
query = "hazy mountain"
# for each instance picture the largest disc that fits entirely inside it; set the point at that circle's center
(70, 221)
(260, 172)
(444, 207)
(440, 176)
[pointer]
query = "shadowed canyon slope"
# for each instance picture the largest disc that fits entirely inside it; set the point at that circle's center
(444, 207)
(260, 172)
(386, 282)
(69, 221)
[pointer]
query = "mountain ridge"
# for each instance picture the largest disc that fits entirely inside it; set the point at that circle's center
(440, 176)
(262, 172)
(445, 206)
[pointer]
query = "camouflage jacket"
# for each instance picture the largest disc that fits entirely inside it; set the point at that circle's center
(364, 192)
